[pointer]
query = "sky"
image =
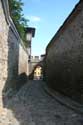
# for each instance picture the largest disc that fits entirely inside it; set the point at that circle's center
(46, 16)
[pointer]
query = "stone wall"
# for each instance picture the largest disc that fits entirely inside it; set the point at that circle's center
(64, 56)
(23, 60)
(13, 55)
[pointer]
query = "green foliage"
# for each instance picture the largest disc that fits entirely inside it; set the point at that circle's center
(15, 7)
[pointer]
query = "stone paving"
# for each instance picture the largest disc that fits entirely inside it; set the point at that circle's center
(33, 106)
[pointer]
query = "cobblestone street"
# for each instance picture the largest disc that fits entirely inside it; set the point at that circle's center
(33, 106)
(41, 81)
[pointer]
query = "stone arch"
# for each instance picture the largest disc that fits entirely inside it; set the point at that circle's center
(37, 71)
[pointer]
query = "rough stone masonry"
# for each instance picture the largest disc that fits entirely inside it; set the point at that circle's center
(13, 55)
(64, 56)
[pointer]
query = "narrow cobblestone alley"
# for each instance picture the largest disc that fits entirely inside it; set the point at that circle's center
(58, 60)
(33, 106)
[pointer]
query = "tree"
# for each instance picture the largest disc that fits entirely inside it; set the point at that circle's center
(15, 7)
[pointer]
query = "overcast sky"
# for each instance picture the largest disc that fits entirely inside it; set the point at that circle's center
(46, 16)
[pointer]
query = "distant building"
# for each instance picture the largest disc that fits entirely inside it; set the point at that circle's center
(34, 61)
(38, 73)
(42, 57)
(30, 33)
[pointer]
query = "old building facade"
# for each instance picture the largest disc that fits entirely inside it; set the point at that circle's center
(13, 54)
